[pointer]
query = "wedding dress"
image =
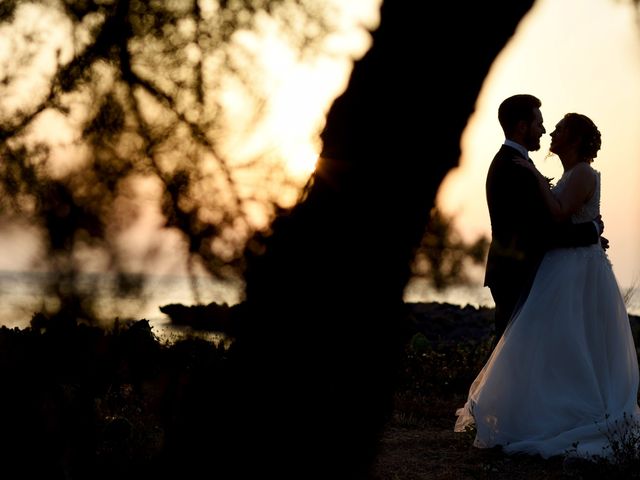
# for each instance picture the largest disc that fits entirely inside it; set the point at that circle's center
(563, 379)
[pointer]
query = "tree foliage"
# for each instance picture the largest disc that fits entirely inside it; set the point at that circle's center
(123, 114)
(444, 257)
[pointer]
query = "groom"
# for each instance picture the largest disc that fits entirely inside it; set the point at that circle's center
(522, 229)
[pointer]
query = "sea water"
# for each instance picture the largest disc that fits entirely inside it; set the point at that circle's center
(479, 296)
(23, 293)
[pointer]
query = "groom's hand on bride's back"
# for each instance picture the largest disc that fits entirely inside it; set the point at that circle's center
(604, 241)
(599, 223)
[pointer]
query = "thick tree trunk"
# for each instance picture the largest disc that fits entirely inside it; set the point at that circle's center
(323, 326)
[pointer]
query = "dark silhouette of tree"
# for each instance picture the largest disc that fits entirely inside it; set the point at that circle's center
(326, 285)
(307, 384)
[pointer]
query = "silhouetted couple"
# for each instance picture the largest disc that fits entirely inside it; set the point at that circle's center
(562, 378)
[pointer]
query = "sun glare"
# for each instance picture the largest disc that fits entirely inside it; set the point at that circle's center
(301, 159)
(305, 90)
(299, 90)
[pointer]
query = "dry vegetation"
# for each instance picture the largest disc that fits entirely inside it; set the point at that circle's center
(86, 403)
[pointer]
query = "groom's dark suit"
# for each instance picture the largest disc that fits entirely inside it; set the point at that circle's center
(522, 230)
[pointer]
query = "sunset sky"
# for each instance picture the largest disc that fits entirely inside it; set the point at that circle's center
(576, 56)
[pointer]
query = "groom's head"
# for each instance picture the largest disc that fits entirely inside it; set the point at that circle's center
(521, 120)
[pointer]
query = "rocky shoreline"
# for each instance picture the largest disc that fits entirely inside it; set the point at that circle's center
(438, 322)
(444, 322)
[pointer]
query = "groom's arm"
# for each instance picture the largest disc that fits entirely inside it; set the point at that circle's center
(559, 234)
(576, 235)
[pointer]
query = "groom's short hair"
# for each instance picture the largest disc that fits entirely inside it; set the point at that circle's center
(515, 109)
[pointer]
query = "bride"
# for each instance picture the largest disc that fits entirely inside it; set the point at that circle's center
(563, 378)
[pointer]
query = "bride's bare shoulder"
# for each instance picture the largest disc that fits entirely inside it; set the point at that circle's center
(585, 166)
(584, 171)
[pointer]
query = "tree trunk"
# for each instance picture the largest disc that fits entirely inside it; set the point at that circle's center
(323, 329)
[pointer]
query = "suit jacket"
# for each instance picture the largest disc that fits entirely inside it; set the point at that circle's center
(522, 228)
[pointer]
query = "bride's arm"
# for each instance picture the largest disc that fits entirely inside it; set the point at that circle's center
(578, 189)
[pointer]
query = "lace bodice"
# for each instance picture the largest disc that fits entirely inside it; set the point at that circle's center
(591, 209)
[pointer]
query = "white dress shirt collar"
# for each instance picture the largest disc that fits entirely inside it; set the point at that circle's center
(518, 147)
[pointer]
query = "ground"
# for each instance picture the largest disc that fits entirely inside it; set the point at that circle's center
(430, 449)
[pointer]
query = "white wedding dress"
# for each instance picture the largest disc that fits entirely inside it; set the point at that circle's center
(563, 379)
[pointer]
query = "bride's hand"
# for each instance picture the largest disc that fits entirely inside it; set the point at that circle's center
(600, 223)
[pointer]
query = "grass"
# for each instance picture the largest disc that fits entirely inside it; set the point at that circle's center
(629, 293)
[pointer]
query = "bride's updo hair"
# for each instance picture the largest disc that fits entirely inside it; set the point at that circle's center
(582, 127)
